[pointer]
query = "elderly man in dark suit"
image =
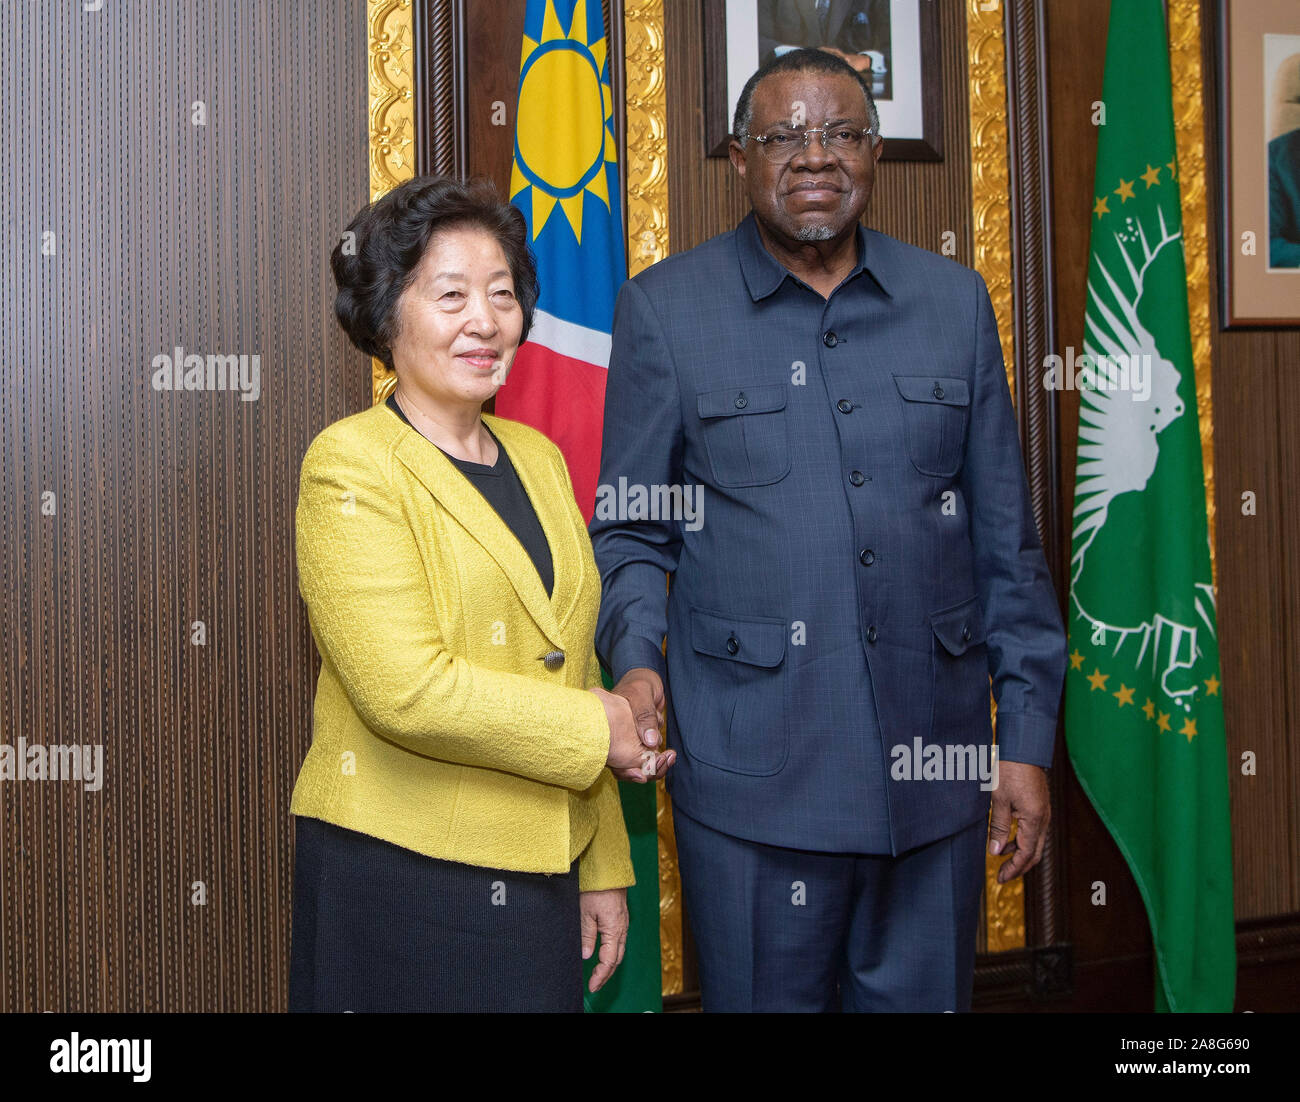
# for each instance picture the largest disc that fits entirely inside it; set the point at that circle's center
(864, 560)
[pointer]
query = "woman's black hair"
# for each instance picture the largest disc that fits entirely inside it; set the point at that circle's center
(377, 257)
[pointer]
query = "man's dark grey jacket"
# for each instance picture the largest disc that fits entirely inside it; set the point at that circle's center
(865, 557)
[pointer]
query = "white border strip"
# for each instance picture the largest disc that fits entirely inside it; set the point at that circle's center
(569, 339)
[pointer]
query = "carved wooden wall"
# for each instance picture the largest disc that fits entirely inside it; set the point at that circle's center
(175, 175)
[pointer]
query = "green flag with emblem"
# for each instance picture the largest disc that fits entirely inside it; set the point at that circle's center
(1143, 700)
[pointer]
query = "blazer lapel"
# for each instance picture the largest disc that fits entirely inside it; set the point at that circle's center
(551, 499)
(462, 499)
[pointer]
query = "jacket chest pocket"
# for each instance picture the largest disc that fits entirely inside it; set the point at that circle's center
(935, 411)
(745, 434)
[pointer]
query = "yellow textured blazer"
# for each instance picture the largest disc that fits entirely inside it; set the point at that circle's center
(437, 725)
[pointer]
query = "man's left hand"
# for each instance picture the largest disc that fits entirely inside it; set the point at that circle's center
(1022, 795)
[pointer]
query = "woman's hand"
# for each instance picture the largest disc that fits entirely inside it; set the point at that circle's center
(631, 756)
(603, 913)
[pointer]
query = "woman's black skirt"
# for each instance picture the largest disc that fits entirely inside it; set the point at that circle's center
(380, 928)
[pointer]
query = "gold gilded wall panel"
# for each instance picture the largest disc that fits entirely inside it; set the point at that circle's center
(647, 242)
(1004, 904)
(1189, 132)
(390, 50)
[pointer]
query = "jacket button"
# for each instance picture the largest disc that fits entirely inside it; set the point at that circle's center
(554, 659)
(857, 478)
(741, 400)
(733, 645)
(871, 634)
(938, 391)
(867, 557)
(829, 339)
(844, 405)
(965, 633)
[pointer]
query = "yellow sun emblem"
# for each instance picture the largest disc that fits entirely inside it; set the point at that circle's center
(563, 132)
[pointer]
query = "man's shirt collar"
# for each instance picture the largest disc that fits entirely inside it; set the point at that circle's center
(764, 273)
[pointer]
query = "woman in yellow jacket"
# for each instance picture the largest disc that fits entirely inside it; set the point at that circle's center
(460, 841)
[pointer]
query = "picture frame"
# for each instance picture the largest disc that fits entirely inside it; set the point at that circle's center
(1259, 163)
(903, 48)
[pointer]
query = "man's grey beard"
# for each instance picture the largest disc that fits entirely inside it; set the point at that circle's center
(814, 233)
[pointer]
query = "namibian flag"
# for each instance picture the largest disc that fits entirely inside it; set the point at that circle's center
(565, 180)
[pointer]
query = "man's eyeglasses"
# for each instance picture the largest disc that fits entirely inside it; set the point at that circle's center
(784, 144)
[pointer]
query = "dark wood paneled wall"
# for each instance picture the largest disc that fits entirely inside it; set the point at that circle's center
(1257, 448)
(169, 888)
(1256, 416)
(494, 38)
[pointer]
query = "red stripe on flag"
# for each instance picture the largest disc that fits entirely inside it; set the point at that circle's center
(565, 399)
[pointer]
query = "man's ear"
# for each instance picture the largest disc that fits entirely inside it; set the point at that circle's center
(736, 152)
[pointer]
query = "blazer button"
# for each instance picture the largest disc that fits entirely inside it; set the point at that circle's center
(554, 659)
(857, 478)
(871, 634)
(844, 405)
(965, 633)
(829, 339)
(938, 391)
(733, 645)
(741, 400)
(867, 557)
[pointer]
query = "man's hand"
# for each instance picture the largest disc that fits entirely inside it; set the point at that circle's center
(603, 913)
(626, 752)
(860, 62)
(1021, 795)
(631, 757)
(644, 692)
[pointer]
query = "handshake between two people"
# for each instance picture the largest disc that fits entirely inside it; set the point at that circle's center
(635, 711)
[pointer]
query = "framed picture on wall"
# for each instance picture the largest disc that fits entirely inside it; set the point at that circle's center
(894, 43)
(1259, 102)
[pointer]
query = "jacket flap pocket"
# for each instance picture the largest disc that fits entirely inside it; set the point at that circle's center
(756, 641)
(935, 389)
(738, 400)
(959, 628)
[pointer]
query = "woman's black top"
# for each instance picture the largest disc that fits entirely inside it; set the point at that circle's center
(500, 486)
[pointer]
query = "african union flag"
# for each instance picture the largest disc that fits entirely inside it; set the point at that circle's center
(1143, 701)
(565, 180)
